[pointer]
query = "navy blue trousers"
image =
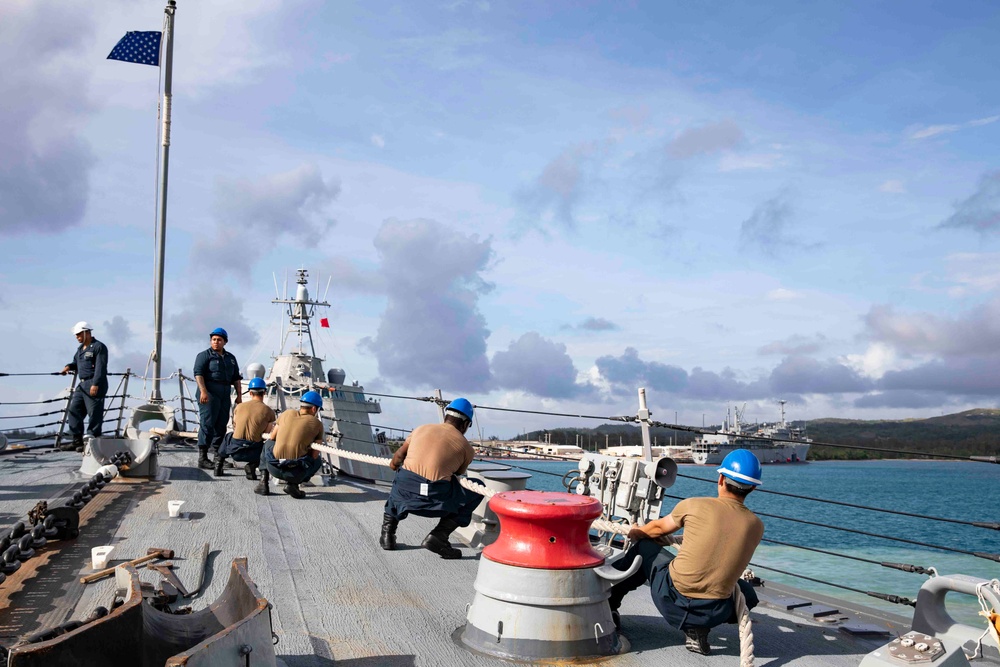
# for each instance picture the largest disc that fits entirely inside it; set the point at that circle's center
(82, 404)
(214, 415)
(238, 449)
(679, 611)
(443, 498)
(291, 471)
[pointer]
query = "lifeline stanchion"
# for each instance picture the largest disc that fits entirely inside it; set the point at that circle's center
(62, 425)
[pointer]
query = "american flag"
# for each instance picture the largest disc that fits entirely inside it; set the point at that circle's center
(138, 47)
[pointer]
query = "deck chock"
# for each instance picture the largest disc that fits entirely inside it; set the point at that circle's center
(174, 508)
(936, 638)
(541, 589)
(133, 634)
(141, 446)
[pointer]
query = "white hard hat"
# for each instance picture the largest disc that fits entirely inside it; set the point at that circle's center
(80, 326)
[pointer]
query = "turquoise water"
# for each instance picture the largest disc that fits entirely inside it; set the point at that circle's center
(957, 490)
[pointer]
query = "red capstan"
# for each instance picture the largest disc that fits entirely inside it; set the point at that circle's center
(544, 530)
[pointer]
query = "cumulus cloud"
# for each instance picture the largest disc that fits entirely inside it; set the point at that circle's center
(538, 366)
(710, 138)
(206, 307)
(556, 192)
(974, 332)
(44, 164)
(629, 371)
(349, 276)
(593, 324)
(796, 344)
(981, 210)
(118, 331)
(901, 399)
(767, 229)
(804, 375)
(432, 333)
(251, 215)
(976, 375)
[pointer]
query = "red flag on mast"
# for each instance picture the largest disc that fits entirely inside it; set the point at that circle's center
(325, 323)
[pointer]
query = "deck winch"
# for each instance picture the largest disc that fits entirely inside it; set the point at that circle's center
(541, 589)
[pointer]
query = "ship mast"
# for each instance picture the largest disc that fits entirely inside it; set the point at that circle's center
(161, 210)
(300, 311)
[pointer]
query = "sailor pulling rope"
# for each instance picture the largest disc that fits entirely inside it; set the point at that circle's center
(742, 613)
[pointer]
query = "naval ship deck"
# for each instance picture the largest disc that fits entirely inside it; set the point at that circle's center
(337, 597)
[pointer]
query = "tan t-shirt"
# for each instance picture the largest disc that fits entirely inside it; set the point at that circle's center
(295, 433)
(250, 420)
(437, 451)
(720, 536)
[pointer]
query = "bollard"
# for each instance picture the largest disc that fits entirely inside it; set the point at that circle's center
(541, 589)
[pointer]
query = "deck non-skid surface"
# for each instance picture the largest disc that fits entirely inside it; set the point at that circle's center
(337, 597)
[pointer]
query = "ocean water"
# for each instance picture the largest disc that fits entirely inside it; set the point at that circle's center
(948, 489)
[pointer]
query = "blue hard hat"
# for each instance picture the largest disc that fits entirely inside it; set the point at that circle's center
(258, 384)
(312, 398)
(219, 331)
(740, 465)
(462, 407)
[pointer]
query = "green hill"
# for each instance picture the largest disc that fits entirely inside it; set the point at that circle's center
(970, 433)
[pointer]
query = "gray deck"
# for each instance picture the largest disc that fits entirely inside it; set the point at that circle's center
(337, 597)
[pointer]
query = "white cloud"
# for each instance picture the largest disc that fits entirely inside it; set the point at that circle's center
(893, 186)
(934, 130)
(737, 162)
(378, 141)
(782, 294)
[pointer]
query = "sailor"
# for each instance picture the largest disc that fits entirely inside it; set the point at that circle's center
(426, 484)
(694, 590)
(90, 363)
(215, 371)
(251, 420)
(288, 454)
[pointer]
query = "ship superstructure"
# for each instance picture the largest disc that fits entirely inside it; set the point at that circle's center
(777, 442)
(297, 369)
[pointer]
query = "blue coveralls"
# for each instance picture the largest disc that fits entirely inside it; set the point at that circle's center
(679, 611)
(91, 366)
(220, 372)
(443, 498)
(292, 471)
(238, 449)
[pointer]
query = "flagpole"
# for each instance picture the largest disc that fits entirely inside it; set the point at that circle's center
(161, 218)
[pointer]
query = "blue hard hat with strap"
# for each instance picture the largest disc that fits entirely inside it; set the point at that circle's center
(741, 466)
(257, 384)
(219, 331)
(312, 398)
(462, 407)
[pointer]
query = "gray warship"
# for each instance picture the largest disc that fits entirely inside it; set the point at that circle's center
(206, 573)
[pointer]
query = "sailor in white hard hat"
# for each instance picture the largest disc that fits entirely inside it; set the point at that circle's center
(90, 363)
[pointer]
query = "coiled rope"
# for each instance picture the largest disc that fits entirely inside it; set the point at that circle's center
(742, 613)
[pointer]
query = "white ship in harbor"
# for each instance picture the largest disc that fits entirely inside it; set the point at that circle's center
(778, 442)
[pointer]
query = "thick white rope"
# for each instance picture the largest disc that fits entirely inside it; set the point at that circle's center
(742, 613)
(991, 629)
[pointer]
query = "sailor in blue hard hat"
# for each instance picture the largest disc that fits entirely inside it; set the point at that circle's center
(426, 484)
(90, 363)
(251, 420)
(217, 373)
(694, 590)
(288, 455)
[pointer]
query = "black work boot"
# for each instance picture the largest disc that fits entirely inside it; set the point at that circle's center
(264, 488)
(220, 462)
(77, 443)
(294, 491)
(250, 470)
(203, 461)
(388, 539)
(70, 445)
(437, 539)
(697, 640)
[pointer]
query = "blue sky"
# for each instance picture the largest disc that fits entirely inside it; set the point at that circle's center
(539, 205)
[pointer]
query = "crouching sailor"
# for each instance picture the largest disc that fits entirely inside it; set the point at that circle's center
(694, 590)
(251, 420)
(426, 483)
(289, 455)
